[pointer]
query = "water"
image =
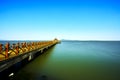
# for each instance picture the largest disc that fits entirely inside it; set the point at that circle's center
(75, 60)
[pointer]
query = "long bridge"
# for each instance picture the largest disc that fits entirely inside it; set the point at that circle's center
(12, 54)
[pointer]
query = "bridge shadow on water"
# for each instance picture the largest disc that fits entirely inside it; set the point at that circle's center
(10, 73)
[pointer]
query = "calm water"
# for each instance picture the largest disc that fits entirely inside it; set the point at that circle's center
(75, 60)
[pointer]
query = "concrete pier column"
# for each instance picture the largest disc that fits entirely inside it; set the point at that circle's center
(30, 57)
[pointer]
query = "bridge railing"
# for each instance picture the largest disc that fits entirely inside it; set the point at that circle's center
(11, 50)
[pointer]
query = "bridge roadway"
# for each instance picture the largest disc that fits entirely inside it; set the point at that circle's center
(10, 55)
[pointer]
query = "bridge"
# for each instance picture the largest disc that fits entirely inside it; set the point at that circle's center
(12, 54)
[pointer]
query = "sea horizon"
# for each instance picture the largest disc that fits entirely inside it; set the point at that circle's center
(58, 39)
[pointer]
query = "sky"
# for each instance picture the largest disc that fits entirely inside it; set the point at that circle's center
(62, 19)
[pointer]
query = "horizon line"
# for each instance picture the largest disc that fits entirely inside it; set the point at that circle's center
(53, 39)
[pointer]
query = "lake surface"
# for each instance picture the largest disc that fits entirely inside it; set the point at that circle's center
(75, 60)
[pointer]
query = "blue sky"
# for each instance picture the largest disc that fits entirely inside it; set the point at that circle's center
(62, 19)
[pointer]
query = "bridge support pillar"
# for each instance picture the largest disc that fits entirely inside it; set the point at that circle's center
(30, 57)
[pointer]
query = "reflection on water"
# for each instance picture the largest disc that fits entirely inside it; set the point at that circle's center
(75, 61)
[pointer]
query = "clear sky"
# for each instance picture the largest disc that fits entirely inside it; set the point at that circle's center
(62, 19)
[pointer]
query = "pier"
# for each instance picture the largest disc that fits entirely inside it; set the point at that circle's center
(12, 54)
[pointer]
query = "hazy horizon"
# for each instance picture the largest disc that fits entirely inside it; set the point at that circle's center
(58, 39)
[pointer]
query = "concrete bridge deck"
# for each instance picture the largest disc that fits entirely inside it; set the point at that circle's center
(10, 55)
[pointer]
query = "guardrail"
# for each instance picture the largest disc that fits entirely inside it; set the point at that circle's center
(7, 51)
